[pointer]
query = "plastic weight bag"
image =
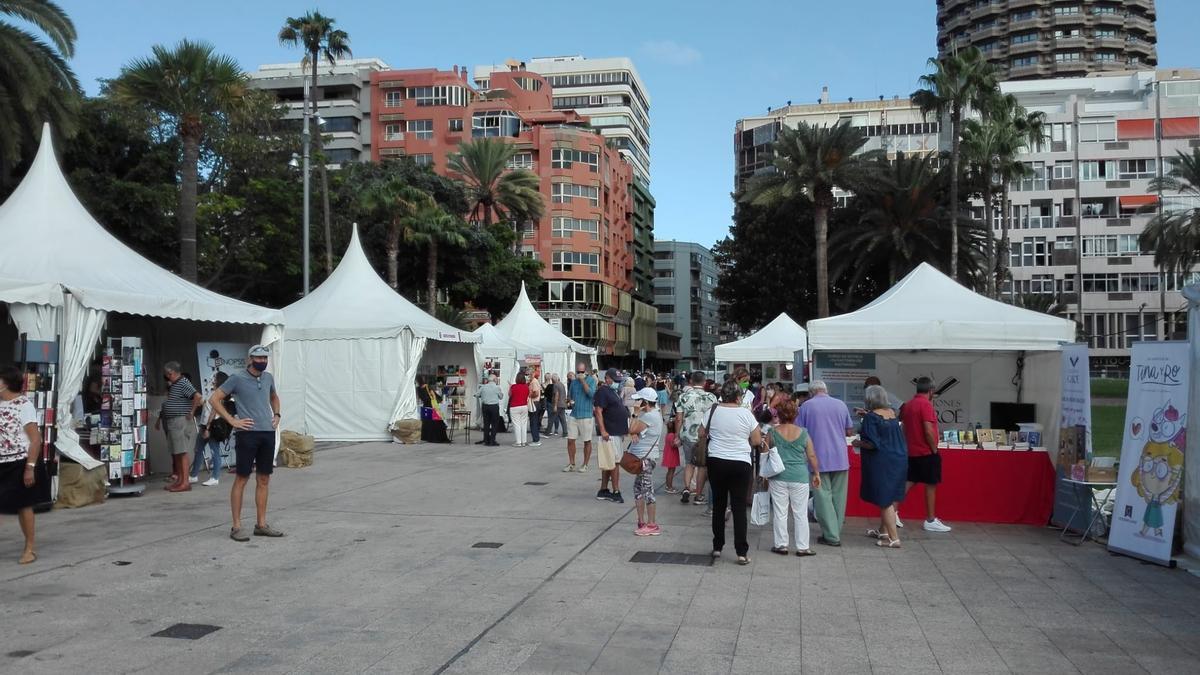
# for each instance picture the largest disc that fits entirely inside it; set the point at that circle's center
(760, 511)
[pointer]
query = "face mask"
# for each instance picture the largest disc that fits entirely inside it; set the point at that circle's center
(744, 385)
(615, 386)
(260, 366)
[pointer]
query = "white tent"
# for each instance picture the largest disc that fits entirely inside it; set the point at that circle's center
(929, 310)
(559, 352)
(510, 353)
(355, 347)
(930, 325)
(64, 273)
(776, 342)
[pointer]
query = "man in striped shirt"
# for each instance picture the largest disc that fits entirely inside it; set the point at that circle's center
(178, 418)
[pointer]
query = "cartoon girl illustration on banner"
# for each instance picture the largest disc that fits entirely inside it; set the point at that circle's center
(1160, 468)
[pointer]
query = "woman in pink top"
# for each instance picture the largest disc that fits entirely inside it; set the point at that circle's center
(518, 410)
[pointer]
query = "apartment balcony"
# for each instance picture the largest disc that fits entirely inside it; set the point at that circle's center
(1028, 24)
(1034, 70)
(398, 136)
(1146, 6)
(1064, 256)
(1014, 5)
(1114, 19)
(1062, 184)
(1031, 47)
(1108, 42)
(1074, 42)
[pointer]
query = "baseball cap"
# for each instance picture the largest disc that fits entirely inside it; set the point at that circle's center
(259, 350)
(646, 394)
(613, 374)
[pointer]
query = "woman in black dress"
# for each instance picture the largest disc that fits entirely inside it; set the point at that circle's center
(20, 444)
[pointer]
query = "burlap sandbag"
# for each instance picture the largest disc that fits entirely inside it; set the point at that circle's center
(77, 487)
(295, 450)
(407, 431)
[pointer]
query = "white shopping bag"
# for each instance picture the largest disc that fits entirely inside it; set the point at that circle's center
(771, 464)
(760, 511)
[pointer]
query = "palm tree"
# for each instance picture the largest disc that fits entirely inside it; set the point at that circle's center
(429, 227)
(983, 144)
(189, 85)
(320, 40)
(1021, 129)
(493, 190)
(1174, 233)
(36, 84)
(904, 221)
(394, 201)
(961, 79)
(812, 161)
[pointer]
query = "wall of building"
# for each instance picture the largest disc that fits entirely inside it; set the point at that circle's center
(685, 282)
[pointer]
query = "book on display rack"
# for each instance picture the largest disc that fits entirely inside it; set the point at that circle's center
(124, 415)
(39, 364)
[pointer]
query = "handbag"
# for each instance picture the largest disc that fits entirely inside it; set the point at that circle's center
(772, 465)
(632, 463)
(700, 449)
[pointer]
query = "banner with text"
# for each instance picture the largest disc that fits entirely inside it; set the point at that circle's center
(844, 373)
(951, 391)
(226, 357)
(1152, 452)
(1074, 436)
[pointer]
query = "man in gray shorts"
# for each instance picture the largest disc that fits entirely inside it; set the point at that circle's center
(692, 413)
(177, 418)
(581, 424)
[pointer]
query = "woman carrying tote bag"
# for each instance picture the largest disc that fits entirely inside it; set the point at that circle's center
(733, 435)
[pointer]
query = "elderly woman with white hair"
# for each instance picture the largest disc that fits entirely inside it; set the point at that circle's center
(884, 463)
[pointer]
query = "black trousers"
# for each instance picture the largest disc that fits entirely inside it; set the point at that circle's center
(491, 422)
(535, 422)
(730, 481)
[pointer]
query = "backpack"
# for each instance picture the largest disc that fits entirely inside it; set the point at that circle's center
(219, 430)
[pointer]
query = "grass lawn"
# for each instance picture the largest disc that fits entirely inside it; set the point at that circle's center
(1108, 421)
(1109, 388)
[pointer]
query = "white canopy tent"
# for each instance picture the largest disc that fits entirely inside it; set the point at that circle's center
(928, 322)
(559, 352)
(64, 274)
(355, 347)
(776, 342)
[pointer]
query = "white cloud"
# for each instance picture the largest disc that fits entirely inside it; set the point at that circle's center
(671, 52)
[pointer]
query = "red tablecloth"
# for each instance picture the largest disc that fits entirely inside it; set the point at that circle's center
(980, 486)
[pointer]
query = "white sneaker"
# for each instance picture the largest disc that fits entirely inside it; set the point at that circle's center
(568, 468)
(193, 479)
(583, 468)
(535, 444)
(211, 482)
(936, 525)
(898, 523)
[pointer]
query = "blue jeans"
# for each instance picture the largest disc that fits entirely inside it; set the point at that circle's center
(214, 449)
(558, 420)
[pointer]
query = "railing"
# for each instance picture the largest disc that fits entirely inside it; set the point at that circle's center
(397, 136)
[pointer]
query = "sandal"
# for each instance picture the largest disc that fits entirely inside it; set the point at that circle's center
(805, 553)
(781, 550)
(876, 534)
(743, 560)
(671, 491)
(886, 542)
(28, 560)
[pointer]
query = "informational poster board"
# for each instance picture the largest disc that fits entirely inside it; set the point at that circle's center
(1074, 435)
(844, 374)
(1152, 452)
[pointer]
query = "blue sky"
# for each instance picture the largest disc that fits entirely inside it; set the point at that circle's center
(706, 63)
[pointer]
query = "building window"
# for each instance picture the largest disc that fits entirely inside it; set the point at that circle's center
(1023, 16)
(1108, 245)
(456, 124)
(563, 193)
(564, 261)
(1101, 283)
(565, 226)
(1062, 57)
(1139, 282)
(581, 329)
(440, 95)
(1105, 33)
(1063, 171)
(1023, 61)
(484, 84)
(1097, 131)
(393, 98)
(1100, 169)
(1137, 168)
(393, 132)
(495, 123)
(340, 124)
(563, 158)
(341, 156)
(1068, 33)
(423, 160)
(1024, 37)
(1029, 252)
(422, 129)
(1104, 9)
(521, 160)
(1106, 56)
(664, 274)
(1064, 11)
(664, 255)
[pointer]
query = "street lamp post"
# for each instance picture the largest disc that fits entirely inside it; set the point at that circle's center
(306, 136)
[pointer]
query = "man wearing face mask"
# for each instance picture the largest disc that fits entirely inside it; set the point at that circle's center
(612, 422)
(257, 420)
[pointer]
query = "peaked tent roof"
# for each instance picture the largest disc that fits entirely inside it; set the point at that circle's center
(354, 302)
(50, 238)
(524, 324)
(776, 341)
(929, 310)
(493, 340)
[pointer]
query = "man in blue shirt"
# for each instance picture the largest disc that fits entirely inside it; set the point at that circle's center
(580, 425)
(612, 420)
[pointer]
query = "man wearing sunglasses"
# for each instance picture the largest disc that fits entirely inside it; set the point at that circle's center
(257, 420)
(581, 423)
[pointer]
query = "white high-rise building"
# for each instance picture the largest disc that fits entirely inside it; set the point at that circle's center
(608, 90)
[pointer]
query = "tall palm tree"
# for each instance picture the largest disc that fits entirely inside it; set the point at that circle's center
(36, 84)
(960, 79)
(904, 221)
(1021, 129)
(493, 190)
(812, 161)
(321, 41)
(1174, 233)
(189, 84)
(983, 143)
(431, 227)
(393, 202)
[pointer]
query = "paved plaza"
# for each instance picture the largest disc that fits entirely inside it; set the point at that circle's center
(380, 573)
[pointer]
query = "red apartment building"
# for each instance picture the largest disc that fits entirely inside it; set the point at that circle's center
(585, 238)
